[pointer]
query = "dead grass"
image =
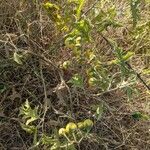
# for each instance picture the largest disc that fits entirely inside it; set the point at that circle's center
(25, 27)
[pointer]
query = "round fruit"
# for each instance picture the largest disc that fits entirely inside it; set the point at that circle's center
(88, 123)
(92, 81)
(71, 127)
(80, 125)
(62, 131)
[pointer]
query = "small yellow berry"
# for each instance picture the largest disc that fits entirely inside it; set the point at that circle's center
(71, 127)
(92, 81)
(88, 123)
(80, 125)
(62, 131)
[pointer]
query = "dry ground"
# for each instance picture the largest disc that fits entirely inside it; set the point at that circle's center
(24, 26)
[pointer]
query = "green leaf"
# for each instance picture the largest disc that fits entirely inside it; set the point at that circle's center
(84, 27)
(2, 88)
(46, 140)
(28, 128)
(80, 4)
(105, 19)
(28, 113)
(99, 109)
(18, 58)
(128, 55)
(51, 7)
(99, 112)
(80, 8)
(76, 80)
(54, 15)
(129, 92)
(134, 4)
(139, 115)
(125, 57)
(146, 71)
(79, 34)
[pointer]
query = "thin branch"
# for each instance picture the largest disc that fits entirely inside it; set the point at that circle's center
(45, 98)
(127, 64)
(87, 11)
(112, 90)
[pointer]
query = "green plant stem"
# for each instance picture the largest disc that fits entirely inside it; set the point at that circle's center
(75, 139)
(67, 138)
(35, 137)
(127, 64)
(85, 13)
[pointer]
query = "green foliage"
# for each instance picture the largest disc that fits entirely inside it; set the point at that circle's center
(76, 81)
(121, 58)
(29, 114)
(124, 57)
(54, 13)
(52, 143)
(65, 138)
(3, 88)
(18, 58)
(98, 76)
(28, 128)
(78, 32)
(131, 91)
(66, 64)
(105, 19)
(69, 136)
(99, 112)
(134, 4)
(78, 8)
(139, 115)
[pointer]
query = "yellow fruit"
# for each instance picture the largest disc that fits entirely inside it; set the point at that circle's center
(62, 131)
(92, 81)
(71, 127)
(88, 123)
(80, 125)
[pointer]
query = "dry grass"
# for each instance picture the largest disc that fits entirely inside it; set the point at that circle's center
(24, 26)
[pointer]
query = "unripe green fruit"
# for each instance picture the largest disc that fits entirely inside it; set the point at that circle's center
(88, 123)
